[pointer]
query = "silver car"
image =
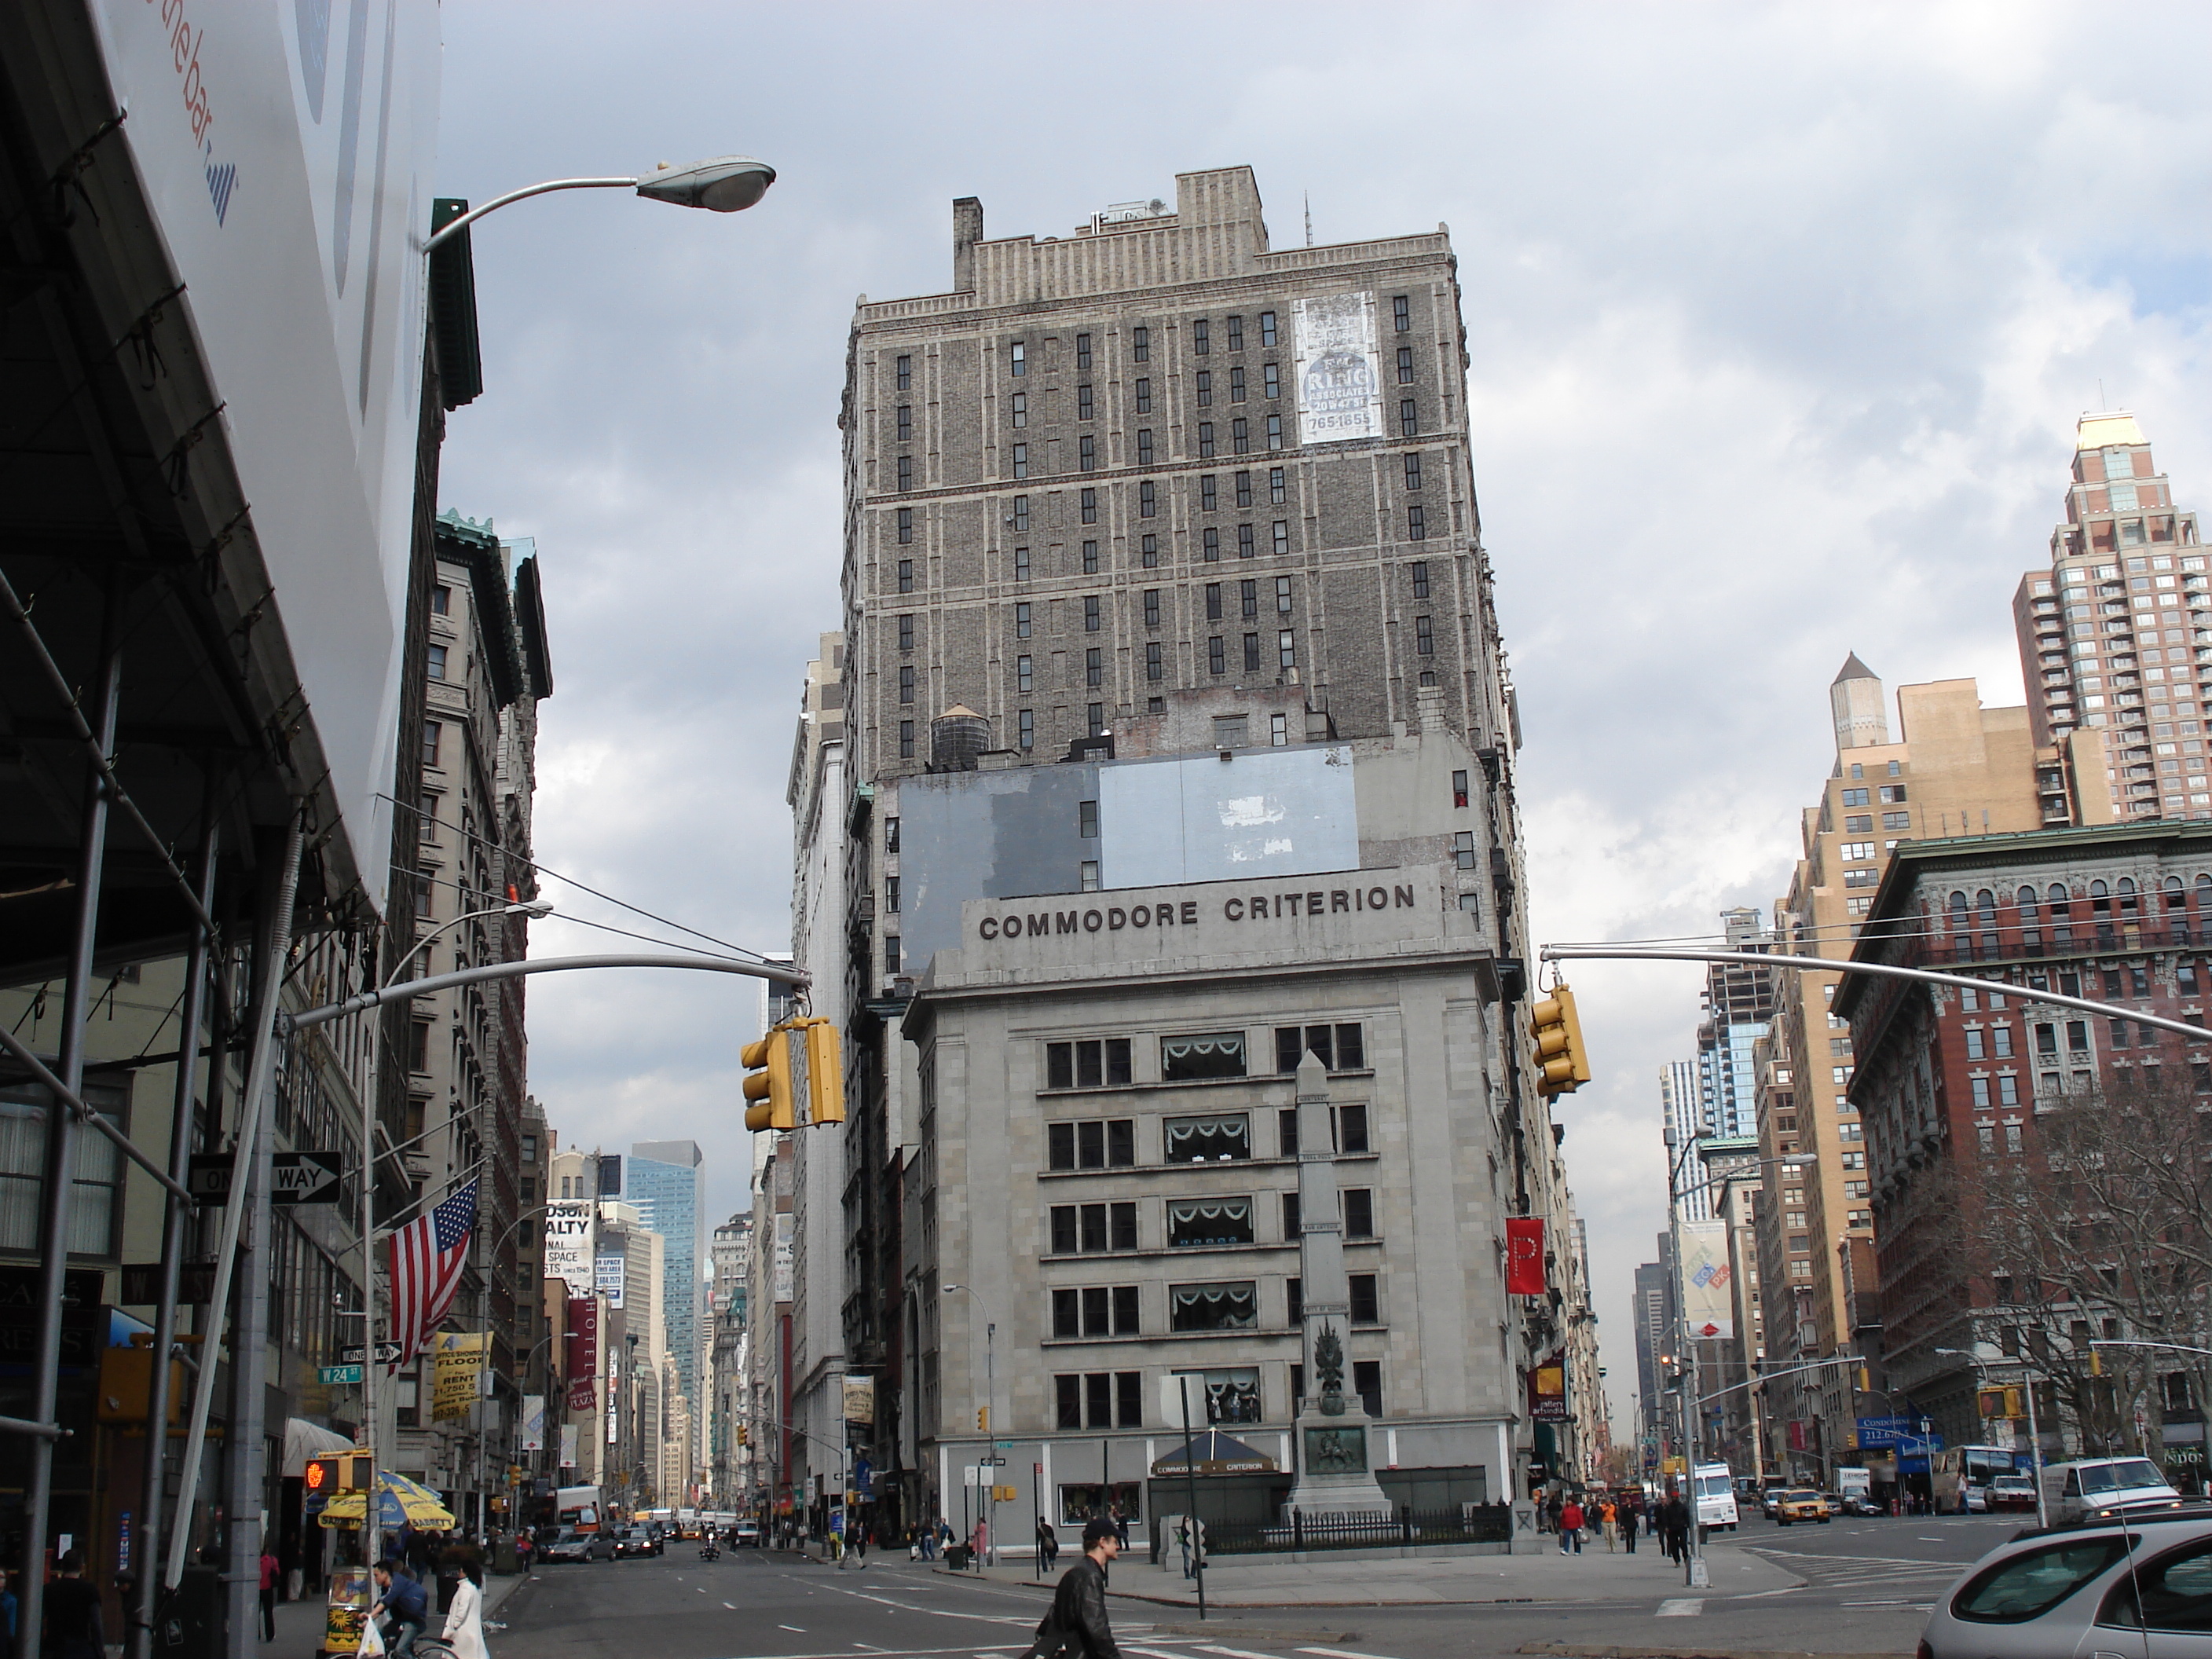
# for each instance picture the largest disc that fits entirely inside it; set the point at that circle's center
(2105, 1590)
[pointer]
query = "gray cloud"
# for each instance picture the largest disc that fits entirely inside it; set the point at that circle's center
(1780, 318)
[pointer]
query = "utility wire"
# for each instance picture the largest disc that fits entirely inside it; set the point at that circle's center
(464, 892)
(543, 870)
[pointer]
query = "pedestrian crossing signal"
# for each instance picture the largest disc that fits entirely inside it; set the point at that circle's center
(333, 1473)
(2000, 1403)
(1562, 1063)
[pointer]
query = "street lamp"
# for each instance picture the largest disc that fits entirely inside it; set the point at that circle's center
(2035, 1432)
(727, 184)
(1690, 1410)
(990, 1417)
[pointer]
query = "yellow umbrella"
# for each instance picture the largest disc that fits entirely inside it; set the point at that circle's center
(403, 1501)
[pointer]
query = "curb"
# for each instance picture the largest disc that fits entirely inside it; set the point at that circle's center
(1637, 1651)
(1245, 1632)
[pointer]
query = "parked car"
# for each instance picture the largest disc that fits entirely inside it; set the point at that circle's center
(574, 1544)
(1801, 1503)
(2097, 1586)
(2010, 1492)
(1861, 1502)
(633, 1541)
(1771, 1500)
(1832, 1503)
(747, 1534)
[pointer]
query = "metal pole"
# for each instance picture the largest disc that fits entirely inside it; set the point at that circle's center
(369, 1365)
(60, 1163)
(250, 1100)
(2035, 1451)
(138, 1642)
(991, 1441)
(245, 1450)
(1190, 1475)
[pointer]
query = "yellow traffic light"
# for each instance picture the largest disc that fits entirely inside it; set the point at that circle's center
(983, 1420)
(744, 1436)
(767, 1082)
(1561, 1064)
(797, 1067)
(825, 1072)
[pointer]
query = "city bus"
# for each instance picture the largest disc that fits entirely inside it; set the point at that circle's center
(1959, 1476)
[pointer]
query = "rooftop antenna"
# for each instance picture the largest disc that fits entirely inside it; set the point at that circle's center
(1309, 224)
(2101, 404)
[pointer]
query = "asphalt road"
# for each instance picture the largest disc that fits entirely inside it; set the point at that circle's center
(1868, 1585)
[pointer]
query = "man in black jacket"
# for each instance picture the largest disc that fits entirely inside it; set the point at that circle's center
(1077, 1624)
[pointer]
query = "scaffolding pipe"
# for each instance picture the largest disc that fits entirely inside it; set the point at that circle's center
(59, 1169)
(138, 1619)
(273, 941)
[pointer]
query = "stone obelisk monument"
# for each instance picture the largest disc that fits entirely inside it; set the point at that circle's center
(1335, 1464)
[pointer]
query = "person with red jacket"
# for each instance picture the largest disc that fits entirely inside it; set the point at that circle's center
(1571, 1527)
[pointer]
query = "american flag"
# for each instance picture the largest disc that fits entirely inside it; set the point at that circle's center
(427, 1256)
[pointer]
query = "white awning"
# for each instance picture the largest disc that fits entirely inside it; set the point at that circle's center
(303, 1439)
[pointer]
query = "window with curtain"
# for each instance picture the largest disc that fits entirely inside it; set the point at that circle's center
(1203, 1055)
(1231, 1395)
(1206, 1140)
(1210, 1221)
(1234, 1307)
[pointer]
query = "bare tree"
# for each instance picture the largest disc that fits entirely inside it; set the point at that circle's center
(2097, 1224)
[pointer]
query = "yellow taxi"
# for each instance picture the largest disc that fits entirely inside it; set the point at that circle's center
(1802, 1505)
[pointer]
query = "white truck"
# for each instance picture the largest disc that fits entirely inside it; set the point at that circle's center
(1716, 1496)
(1856, 1487)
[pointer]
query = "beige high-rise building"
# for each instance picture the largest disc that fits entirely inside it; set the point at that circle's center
(2116, 633)
(1957, 768)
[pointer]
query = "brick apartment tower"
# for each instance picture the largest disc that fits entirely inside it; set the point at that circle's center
(2116, 635)
(1084, 482)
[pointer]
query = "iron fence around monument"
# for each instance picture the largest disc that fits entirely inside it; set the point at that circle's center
(1403, 1528)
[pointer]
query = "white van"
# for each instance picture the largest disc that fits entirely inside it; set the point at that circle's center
(2099, 1488)
(1715, 1492)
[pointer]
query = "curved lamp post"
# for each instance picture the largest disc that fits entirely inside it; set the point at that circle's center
(727, 184)
(991, 1415)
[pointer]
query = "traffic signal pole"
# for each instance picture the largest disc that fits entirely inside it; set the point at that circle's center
(1869, 969)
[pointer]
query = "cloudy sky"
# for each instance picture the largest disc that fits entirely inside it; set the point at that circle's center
(1780, 316)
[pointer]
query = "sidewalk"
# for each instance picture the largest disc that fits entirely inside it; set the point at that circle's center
(299, 1625)
(1542, 1574)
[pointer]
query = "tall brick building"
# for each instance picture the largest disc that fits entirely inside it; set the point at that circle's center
(1157, 457)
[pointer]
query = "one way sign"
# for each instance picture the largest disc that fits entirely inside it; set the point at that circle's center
(294, 1178)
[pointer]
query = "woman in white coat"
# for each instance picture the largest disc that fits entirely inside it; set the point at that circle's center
(463, 1631)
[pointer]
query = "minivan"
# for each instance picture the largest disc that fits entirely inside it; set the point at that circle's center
(2099, 1488)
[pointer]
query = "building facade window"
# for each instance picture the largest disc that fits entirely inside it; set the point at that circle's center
(905, 374)
(905, 525)
(906, 739)
(1154, 668)
(1201, 341)
(1266, 328)
(1026, 729)
(1405, 365)
(1425, 638)
(1148, 499)
(1140, 343)
(1282, 537)
(1021, 460)
(1089, 501)
(1217, 660)
(1419, 570)
(1017, 358)
(1401, 312)
(1409, 418)
(1086, 452)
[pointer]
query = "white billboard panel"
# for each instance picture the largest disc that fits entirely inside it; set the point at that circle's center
(1708, 1296)
(1339, 373)
(1271, 813)
(286, 148)
(611, 1270)
(569, 1235)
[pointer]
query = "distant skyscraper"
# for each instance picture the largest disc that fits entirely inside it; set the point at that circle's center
(1738, 1004)
(2115, 635)
(665, 1181)
(1682, 1112)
